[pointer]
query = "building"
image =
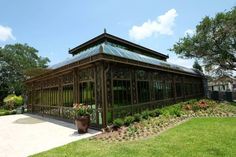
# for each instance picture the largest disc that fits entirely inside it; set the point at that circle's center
(223, 84)
(114, 76)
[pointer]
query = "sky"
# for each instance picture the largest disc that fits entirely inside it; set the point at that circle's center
(53, 26)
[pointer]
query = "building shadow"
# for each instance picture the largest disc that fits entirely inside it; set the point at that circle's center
(36, 118)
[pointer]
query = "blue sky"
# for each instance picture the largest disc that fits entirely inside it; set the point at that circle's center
(53, 26)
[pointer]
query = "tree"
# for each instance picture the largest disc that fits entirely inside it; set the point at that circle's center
(15, 62)
(214, 43)
(196, 65)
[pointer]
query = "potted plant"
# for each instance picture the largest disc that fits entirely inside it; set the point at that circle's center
(82, 117)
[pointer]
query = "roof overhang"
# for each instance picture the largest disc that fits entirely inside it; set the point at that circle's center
(106, 58)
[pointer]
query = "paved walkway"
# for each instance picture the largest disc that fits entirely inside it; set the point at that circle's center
(25, 134)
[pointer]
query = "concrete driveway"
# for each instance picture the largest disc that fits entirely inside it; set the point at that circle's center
(25, 134)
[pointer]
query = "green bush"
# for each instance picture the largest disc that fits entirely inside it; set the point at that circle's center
(118, 122)
(175, 111)
(145, 114)
(192, 101)
(137, 117)
(154, 113)
(164, 112)
(128, 120)
(6, 112)
(12, 101)
(195, 108)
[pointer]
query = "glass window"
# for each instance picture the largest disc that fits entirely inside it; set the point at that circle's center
(37, 97)
(163, 90)
(54, 96)
(67, 95)
(121, 93)
(168, 90)
(143, 91)
(87, 93)
(158, 90)
(178, 89)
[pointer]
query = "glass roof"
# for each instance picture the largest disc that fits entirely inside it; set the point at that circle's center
(82, 55)
(120, 52)
(112, 49)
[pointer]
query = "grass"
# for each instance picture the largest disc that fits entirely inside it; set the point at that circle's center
(197, 137)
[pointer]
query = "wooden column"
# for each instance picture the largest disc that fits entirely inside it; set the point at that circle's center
(60, 94)
(174, 87)
(40, 94)
(75, 85)
(183, 82)
(105, 71)
(98, 90)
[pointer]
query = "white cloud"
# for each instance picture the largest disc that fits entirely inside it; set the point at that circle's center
(189, 32)
(163, 24)
(6, 33)
(188, 63)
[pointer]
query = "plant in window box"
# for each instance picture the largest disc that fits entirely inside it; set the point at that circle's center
(82, 114)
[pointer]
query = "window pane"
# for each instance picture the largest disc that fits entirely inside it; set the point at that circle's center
(87, 93)
(178, 90)
(121, 93)
(67, 95)
(143, 91)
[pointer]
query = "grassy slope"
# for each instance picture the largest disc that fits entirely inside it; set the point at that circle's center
(197, 137)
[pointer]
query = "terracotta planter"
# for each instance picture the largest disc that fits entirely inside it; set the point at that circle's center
(82, 123)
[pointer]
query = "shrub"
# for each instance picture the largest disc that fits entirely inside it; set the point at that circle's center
(192, 101)
(145, 114)
(118, 122)
(176, 112)
(12, 101)
(137, 117)
(154, 113)
(128, 120)
(157, 112)
(164, 112)
(195, 108)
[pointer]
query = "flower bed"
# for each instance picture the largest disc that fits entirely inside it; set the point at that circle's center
(150, 123)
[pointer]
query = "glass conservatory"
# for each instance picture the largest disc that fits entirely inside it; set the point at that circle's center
(116, 78)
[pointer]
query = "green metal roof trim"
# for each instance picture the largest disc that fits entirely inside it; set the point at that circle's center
(116, 50)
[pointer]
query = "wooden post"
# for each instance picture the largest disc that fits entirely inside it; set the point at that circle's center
(75, 85)
(60, 95)
(105, 69)
(174, 87)
(183, 83)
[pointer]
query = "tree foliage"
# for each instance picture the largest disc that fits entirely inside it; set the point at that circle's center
(196, 65)
(15, 62)
(214, 42)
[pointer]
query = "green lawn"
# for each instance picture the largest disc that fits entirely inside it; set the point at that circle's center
(198, 137)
